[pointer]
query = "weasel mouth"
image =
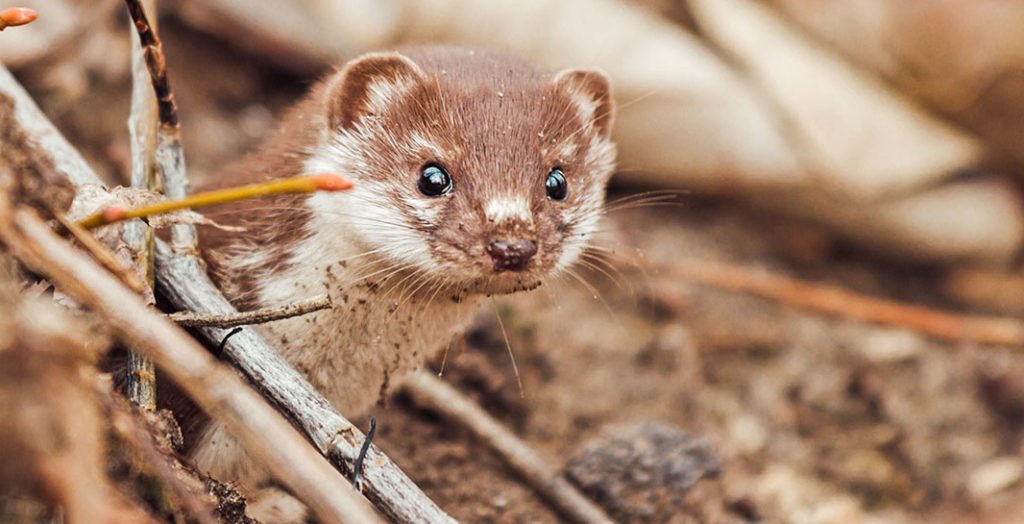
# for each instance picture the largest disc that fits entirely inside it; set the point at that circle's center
(507, 285)
(490, 287)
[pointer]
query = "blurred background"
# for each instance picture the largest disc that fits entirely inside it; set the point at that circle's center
(872, 146)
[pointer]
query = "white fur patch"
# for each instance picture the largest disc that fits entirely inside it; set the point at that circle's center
(366, 210)
(383, 93)
(567, 150)
(505, 208)
(418, 141)
(585, 105)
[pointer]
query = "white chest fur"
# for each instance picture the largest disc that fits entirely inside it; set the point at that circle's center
(383, 324)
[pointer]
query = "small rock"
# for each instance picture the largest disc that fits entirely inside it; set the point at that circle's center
(499, 501)
(839, 509)
(746, 434)
(994, 476)
(884, 346)
(643, 472)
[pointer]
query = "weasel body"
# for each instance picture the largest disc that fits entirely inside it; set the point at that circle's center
(475, 174)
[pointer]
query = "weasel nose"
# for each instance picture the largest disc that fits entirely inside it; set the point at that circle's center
(511, 255)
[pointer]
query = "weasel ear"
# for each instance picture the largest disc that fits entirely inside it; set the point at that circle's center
(591, 92)
(367, 85)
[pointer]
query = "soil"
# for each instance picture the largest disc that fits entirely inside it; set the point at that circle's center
(809, 418)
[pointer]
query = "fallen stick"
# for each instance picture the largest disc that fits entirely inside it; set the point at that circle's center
(213, 386)
(140, 379)
(260, 316)
(169, 154)
(182, 278)
(101, 253)
(432, 393)
(843, 303)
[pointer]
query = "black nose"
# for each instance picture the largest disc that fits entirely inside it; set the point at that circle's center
(511, 255)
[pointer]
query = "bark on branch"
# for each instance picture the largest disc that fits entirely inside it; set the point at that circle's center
(140, 382)
(247, 318)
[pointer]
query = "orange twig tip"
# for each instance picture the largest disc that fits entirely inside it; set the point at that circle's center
(298, 184)
(16, 16)
(331, 182)
(113, 214)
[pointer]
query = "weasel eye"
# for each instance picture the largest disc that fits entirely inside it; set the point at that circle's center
(555, 185)
(434, 181)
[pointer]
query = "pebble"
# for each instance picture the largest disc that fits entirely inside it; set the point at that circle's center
(887, 345)
(994, 476)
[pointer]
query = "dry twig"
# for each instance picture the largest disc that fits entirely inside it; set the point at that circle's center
(52, 431)
(430, 392)
(170, 156)
(140, 382)
(101, 253)
(260, 316)
(848, 304)
(296, 184)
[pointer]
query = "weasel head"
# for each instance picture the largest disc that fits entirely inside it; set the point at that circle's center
(473, 168)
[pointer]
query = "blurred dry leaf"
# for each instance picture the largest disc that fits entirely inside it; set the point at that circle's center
(679, 104)
(963, 57)
(980, 220)
(303, 35)
(853, 133)
(52, 436)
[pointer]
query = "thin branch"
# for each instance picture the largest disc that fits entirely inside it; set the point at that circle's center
(170, 156)
(213, 386)
(430, 392)
(296, 184)
(100, 252)
(848, 304)
(155, 63)
(182, 279)
(140, 382)
(260, 316)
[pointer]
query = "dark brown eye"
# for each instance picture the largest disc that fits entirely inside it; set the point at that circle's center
(434, 181)
(555, 185)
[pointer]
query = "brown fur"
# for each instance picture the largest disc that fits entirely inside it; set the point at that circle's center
(496, 124)
(271, 223)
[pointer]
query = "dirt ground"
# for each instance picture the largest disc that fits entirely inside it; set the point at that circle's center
(798, 417)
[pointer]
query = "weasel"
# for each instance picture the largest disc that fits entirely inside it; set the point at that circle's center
(475, 174)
